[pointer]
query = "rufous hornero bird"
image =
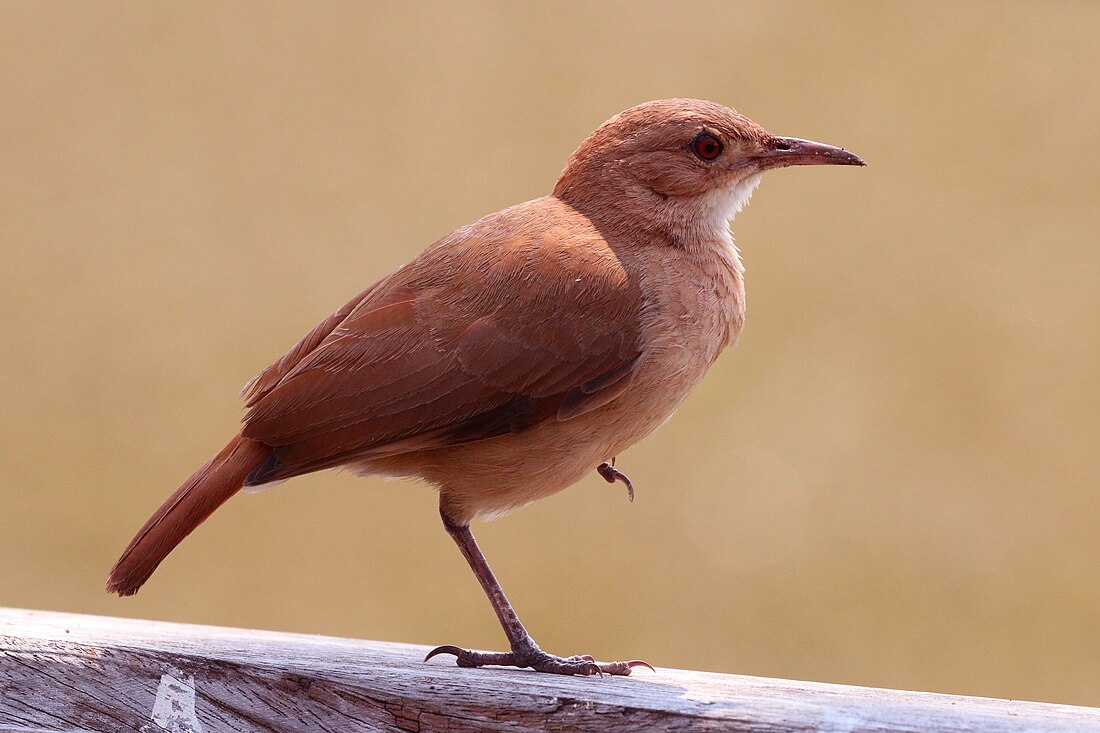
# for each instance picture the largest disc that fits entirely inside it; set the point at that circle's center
(520, 352)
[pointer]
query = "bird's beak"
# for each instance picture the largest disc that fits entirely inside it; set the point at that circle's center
(780, 152)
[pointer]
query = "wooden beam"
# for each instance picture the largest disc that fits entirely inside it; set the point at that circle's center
(64, 672)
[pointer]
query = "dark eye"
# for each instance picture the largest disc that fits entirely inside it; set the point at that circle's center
(706, 146)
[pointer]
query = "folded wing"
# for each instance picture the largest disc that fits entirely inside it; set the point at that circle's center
(476, 338)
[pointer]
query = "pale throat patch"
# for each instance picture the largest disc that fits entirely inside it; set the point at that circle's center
(737, 197)
(722, 206)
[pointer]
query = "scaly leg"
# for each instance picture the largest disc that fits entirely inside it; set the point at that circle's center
(525, 652)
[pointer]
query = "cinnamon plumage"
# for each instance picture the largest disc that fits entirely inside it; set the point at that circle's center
(520, 352)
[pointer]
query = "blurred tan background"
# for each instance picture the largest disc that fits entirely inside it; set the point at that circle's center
(891, 481)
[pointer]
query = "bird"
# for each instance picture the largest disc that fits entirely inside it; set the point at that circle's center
(518, 353)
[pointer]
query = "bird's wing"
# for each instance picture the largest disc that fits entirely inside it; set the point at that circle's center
(266, 380)
(477, 337)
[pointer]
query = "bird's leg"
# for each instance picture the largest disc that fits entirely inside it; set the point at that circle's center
(611, 475)
(525, 652)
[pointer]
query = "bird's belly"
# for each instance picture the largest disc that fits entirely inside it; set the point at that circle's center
(497, 476)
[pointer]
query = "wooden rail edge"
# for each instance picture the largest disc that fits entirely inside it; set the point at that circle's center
(66, 672)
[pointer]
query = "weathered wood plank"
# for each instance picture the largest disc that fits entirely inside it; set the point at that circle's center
(63, 672)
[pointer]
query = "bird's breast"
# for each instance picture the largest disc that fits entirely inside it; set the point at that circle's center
(693, 308)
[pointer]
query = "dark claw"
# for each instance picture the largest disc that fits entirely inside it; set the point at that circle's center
(445, 649)
(593, 668)
(611, 475)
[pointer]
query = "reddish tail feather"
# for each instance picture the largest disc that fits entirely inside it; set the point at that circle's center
(194, 501)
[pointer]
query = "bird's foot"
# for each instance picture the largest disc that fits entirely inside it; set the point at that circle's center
(538, 660)
(611, 475)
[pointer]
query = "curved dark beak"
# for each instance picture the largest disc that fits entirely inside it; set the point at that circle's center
(780, 152)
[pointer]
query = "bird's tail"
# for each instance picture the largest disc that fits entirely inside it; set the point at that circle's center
(194, 501)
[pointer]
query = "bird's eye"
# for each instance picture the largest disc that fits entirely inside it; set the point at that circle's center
(706, 146)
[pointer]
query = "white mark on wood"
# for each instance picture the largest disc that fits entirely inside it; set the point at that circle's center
(174, 709)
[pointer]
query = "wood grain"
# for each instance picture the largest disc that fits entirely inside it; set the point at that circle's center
(63, 672)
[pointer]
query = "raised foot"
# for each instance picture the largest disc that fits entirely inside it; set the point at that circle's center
(611, 475)
(538, 660)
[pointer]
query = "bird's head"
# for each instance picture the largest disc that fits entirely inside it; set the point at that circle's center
(684, 162)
